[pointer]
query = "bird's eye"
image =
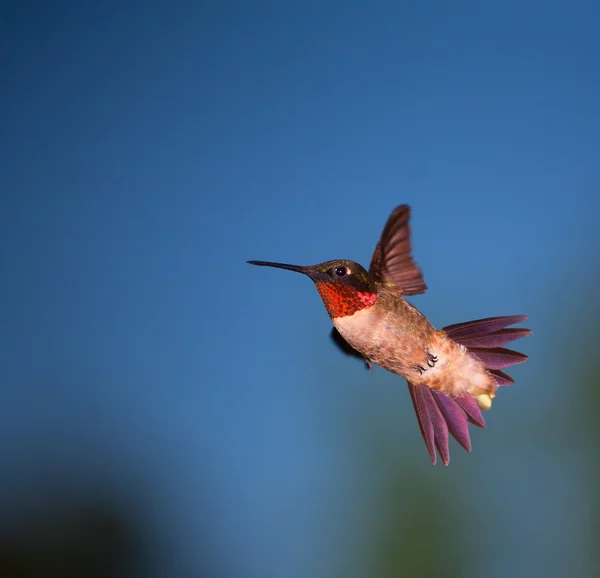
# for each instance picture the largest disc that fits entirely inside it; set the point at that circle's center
(341, 271)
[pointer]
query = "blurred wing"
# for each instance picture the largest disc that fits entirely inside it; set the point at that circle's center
(392, 262)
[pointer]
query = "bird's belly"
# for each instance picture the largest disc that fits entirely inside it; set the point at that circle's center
(382, 340)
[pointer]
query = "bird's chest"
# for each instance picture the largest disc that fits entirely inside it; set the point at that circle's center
(360, 330)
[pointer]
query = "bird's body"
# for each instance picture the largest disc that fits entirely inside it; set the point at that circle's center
(395, 335)
(452, 373)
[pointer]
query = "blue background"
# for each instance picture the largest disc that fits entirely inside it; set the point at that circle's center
(149, 150)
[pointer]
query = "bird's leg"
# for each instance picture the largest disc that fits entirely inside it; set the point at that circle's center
(420, 369)
(368, 365)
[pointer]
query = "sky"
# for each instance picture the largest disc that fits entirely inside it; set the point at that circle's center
(149, 150)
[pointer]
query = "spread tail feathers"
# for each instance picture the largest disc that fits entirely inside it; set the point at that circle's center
(439, 414)
(484, 339)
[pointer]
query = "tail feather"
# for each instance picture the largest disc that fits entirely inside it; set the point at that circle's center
(501, 377)
(495, 339)
(482, 326)
(497, 357)
(484, 337)
(439, 414)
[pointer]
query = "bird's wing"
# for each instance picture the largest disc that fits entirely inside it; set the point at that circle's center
(392, 262)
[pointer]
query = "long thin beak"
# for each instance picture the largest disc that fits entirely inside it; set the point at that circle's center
(299, 269)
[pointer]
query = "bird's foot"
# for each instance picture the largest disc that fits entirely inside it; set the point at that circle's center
(431, 359)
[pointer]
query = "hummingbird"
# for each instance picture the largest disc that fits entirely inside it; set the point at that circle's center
(452, 373)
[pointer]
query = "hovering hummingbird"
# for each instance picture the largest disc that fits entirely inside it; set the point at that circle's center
(452, 373)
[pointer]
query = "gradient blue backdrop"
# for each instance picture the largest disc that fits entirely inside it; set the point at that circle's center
(149, 150)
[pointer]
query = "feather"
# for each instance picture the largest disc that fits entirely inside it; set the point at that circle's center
(484, 339)
(392, 261)
(439, 414)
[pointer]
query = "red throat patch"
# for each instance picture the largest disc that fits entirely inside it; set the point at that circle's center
(342, 301)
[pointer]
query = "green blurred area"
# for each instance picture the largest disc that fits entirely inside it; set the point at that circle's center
(427, 525)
